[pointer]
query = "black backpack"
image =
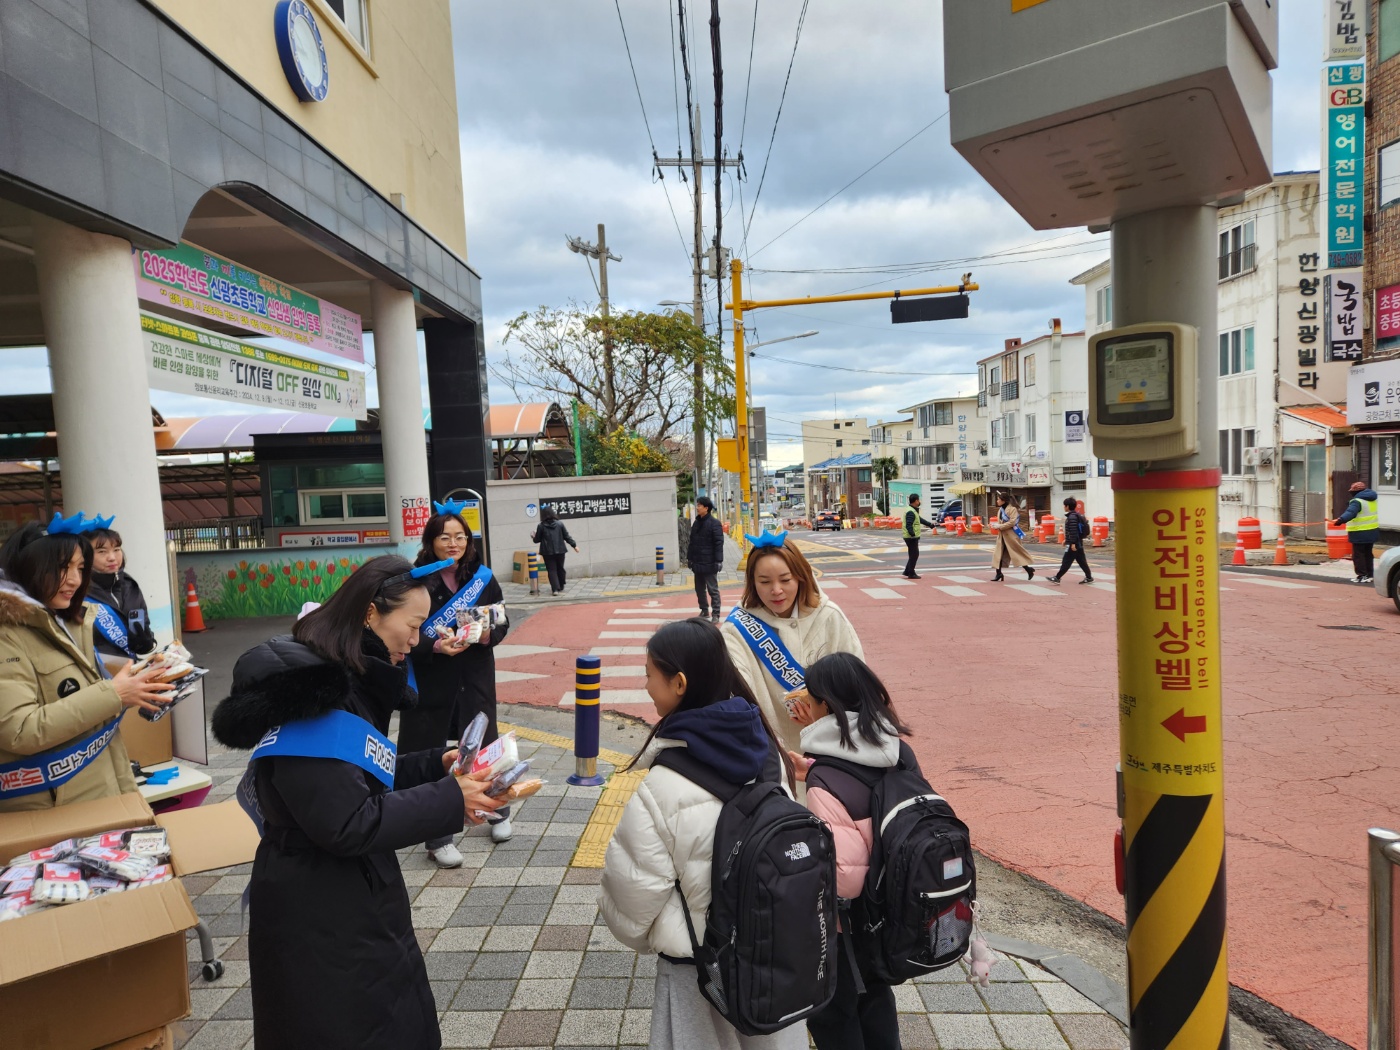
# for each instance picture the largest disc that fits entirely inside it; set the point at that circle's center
(768, 957)
(914, 915)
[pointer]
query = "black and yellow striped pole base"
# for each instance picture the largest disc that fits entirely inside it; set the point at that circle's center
(1169, 712)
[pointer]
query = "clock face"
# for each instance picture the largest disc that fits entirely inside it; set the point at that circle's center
(301, 50)
(307, 47)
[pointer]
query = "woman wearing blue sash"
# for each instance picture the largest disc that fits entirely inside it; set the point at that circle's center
(59, 708)
(121, 621)
(333, 957)
(783, 623)
(456, 679)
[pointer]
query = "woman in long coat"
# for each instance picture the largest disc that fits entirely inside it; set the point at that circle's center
(1007, 549)
(333, 956)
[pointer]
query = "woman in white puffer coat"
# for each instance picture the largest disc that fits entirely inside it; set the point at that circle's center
(667, 831)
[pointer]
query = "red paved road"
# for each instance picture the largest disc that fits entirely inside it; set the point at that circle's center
(1011, 695)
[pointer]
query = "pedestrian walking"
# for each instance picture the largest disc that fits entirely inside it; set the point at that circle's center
(1007, 549)
(783, 623)
(1363, 524)
(456, 677)
(848, 716)
(333, 957)
(664, 842)
(1076, 535)
(705, 555)
(913, 524)
(552, 536)
(121, 621)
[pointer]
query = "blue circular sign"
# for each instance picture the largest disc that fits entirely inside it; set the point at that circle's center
(302, 51)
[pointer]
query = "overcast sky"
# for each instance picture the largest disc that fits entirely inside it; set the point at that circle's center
(553, 142)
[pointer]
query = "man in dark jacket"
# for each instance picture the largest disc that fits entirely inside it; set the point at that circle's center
(706, 556)
(1363, 523)
(912, 522)
(1076, 536)
(553, 537)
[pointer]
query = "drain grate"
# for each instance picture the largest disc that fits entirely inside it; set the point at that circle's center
(1346, 627)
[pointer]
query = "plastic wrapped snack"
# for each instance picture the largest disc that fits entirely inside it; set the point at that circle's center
(119, 863)
(488, 616)
(18, 905)
(60, 884)
(502, 782)
(100, 884)
(57, 852)
(522, 789)
(160, 873)
(498, 756)
(470, 743)
(150, 842)
(17, 873)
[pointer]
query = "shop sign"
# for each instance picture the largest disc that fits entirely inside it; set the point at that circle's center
(1006, 477)
(1344, 155)
(974, 475)
(188, 360)
(194, 281)
(1038, 477)
(1342, 301)
(334, 539)
(592, 506)
(1075, 427)
(1388, 315)
(1373, 392)
(1345, 33)
(415, 510)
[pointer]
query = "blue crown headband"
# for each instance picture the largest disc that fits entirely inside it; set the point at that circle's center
(451, 506)
(418, 573)
(767, 539)
(77, 525)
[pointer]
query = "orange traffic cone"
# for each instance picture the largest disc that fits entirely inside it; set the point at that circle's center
(1280, 552)
(1238, 559)
(194, 618)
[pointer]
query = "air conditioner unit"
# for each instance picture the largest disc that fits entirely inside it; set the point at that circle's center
(982, 448)
(943, 471)
(1259, 456)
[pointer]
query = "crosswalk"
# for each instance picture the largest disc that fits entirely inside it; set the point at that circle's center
(960, 585)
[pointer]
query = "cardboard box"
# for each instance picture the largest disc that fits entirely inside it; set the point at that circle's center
(149, 743)
(122, 956)
(161, 1038)
(520, 567)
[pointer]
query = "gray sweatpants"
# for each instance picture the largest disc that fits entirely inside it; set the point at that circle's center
(681, 1019)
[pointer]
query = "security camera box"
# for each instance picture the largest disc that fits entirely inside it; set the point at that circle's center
(121, 956)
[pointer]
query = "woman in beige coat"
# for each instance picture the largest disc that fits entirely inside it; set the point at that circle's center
(58, 708)
(1007, 549)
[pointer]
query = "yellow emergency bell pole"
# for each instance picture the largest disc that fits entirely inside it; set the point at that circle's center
(741, 399)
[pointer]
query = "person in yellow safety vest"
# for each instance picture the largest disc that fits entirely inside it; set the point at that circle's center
(1363, 524)
(912, 522)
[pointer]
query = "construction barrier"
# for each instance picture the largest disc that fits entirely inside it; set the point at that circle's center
(976, 527)
(588, 688)
(1099, 531)
(1249, 531)
(1338, 546)
(962, 526)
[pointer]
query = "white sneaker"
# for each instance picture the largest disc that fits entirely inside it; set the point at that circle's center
(448, 856)
(499, 833)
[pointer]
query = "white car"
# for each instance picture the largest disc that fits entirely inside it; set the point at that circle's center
(1387, 575)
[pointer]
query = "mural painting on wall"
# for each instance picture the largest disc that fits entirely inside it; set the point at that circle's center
(276, 587)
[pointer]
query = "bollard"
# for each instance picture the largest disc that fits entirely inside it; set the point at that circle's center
(660, 566)
(533, 561)
(1382, 1015)
(588, 676)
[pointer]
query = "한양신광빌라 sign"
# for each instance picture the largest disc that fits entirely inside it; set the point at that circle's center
(188, 360)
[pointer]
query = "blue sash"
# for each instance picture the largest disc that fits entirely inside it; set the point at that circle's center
(769, 650)
(108, 624)
(52, 769)
(1007, 517)
(336, 734)
(466, 598)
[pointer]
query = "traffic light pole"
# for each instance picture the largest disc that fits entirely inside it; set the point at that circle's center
(1169, 672)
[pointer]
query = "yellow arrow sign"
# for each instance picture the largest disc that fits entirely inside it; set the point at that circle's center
(1021, 5)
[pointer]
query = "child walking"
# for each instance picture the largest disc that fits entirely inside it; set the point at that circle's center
(667, 831)
(122, 622)
(848, 716)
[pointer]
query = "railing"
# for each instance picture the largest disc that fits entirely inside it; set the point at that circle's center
(1010, 390)
(981, 399)
(216, 534)
(1384, 991)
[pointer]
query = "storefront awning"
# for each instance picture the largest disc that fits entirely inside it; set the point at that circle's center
(968, 488)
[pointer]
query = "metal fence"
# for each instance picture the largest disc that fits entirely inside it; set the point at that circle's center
(216, 534)
(1383, 1020)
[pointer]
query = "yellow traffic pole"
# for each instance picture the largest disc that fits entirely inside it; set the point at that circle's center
(741, 422)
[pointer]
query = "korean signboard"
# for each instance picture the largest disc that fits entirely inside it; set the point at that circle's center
(1373, 392)
(1388, 316)
(188, 360)
(590, 506)
(415, 511)
(1344, 38)
(194, 281)
(1075, 427)
(1342, 302)
(1344, 151)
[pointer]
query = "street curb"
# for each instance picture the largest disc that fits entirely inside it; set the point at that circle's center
(1070, 968)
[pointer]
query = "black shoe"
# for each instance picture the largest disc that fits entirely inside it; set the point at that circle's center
(911, 575)
(998, 578)
(1087, 579)
(1030, 572)
(1054, 579)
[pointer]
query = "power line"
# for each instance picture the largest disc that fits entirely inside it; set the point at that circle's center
(675, 80)
(801, 18)
(862, 371)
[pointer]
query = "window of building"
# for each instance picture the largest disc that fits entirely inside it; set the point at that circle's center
(1008, 368)
(1008, 434)
(996, 433)
(1389, 26)
(849, 423)
(943, 453)
(342, 506)
(1237, 351)
(865, 499)
(836, 426)
(863, 475)
(865, 441)
(995, 377)
(838, 442)
(1236, 250)
(1029, 369)
(908, 435)
(1030, 429)
(355, 15)
(1232, 446)
(1388, 182)
(981, 377)
(1103, 308)
(943, 415)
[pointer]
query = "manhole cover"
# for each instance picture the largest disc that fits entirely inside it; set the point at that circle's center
(1346, 627)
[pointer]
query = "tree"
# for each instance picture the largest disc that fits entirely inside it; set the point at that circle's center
(617, 451)
(633, 370)
(884, 469)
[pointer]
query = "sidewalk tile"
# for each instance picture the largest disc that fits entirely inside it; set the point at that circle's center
(571, 914)
(528, 1028)
(915, 1033)
(1012, 998)
(443, 994)
(448, 965)
(477, 994)
(553, 964)
(511, 939)
(572, 894)
(1005, 969)
(547, 994)
(643, 990)
(636, 1028)
(951, 999)
(1028, 1032)
(430, 918)
(907, 1000)
(221, 1035)
(439, 897)
(646, 966)
(563, 938)
(532, 895)
(1097, 1032)
(602, 940)
(487, 896)
(520, 915)
(237, 1007)
(546, 876)
(500, 965)
(598, 993)
(205, 1002)
(461, 1028)
(965, 1032)
(1062, 999)
(459, 939)
(583, 876)
(1034, 972)
(589, 1028)
(606, 964)
(492, 876)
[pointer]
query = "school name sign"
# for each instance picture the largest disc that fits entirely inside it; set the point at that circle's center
(188, 360)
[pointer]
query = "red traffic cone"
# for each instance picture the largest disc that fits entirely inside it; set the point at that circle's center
(194, 617)
(1280, 552)
(1238, 559)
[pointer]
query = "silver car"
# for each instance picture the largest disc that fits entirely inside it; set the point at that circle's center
(1387, 575)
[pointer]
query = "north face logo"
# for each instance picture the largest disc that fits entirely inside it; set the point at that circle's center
(797, 851)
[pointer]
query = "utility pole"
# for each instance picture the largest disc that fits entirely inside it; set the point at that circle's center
(601, 253)
(697, 162)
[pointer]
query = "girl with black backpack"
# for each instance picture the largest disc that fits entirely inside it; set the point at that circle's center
(848, 716)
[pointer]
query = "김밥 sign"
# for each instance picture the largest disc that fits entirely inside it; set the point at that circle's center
(194, 281)
(590, 506)
(189, 360)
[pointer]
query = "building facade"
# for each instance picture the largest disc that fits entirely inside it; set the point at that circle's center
(834, 438)
(843, 484)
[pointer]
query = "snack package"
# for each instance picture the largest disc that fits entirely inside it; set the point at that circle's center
(522, 789)
(503, 781)
(487, 616)
(58, 852)
(160, 873)
(498, 756)
(60, 884)
(118, 863)
(791, 700)
(17, 873)
(470, 743)
(183, 688)
(100, 884)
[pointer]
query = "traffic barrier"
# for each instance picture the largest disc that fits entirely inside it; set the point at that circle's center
(976, 527)
(1060, 534)
(1280, 551)
(660, 566)
(1239, 558)
(1047, 528)
(588, 689)
(1338, 546)
(962, 527)
(1248, 529)
(532, 562)
(194, 616)
(1383, 991)
(1099, 530)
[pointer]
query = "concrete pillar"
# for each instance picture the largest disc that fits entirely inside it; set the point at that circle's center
(457, 389)
(101, 399)
(400, 405)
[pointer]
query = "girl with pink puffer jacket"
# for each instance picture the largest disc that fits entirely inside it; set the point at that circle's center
(847, 715)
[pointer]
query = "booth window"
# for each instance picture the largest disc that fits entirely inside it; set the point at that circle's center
(290, 485)
(355, 15)
(1237, 351)
(996, 433)
(342, 506)
(1388, 181)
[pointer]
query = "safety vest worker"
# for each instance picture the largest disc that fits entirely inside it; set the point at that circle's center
(1363, 522)
(912, 522)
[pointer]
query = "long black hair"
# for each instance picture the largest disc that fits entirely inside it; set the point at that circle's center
(433, 529)
(696, 649)
(36, 561)
(336, 630)
(844, 683)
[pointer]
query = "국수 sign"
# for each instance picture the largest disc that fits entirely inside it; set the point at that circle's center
(188, 360)
(590, 506)
(1343, 307)
(194, 281)
(1373, 392)
(1344, 153)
